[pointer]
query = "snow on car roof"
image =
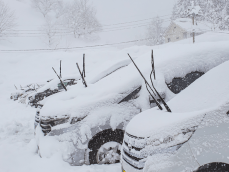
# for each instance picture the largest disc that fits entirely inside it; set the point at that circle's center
(205, 94)
(171, 60)
(208, 91)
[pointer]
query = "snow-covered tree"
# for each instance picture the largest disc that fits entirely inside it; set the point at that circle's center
(81, 19)
(180, 9)
(7, 19)
(59, 9)
(44, 6)
(213, 11)
(186, 9)
(155, 32)
(194, 10)
(50, 30)
(225, 17)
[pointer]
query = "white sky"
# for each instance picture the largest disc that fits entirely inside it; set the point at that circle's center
(108, 12)
(122, 11)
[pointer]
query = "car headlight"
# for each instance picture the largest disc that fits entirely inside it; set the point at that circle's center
(58, 122)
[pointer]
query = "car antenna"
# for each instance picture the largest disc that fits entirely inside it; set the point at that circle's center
(60, 80)
(153, 71)
(147, 84)
(81, 74)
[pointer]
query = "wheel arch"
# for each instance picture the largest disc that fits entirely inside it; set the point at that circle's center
(101, 133)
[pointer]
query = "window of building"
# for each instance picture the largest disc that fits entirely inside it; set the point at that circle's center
(169, 40)
(177, 37)
(185, 35)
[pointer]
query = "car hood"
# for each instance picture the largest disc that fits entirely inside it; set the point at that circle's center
(155, 123)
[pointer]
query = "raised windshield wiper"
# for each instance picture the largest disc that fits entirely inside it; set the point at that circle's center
(147, 85)
(153, 72)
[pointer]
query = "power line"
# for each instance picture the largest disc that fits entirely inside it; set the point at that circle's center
(136, 21)
(70, 48)
(83, 47)
(161, 17)
(70, 32)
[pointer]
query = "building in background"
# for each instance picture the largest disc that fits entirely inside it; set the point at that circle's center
(182, 28)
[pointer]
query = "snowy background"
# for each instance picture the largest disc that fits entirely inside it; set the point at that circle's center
(17, 145)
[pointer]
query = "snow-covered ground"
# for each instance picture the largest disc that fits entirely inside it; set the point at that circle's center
(17, 145)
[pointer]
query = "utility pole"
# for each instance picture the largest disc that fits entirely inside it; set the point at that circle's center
(193, 32)
(60, 70)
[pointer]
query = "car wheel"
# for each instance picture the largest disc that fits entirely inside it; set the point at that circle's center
(106, 147)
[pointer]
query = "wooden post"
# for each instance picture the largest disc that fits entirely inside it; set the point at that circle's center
(84, 66)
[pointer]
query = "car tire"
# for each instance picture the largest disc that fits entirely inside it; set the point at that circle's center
(106, 144)
(213, 167)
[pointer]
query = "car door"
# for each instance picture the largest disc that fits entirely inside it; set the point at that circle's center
(210, 142)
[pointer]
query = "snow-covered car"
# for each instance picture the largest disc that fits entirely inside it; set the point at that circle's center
(87, 124)
(194, 137)
(23, 92)
(34, 94)
(53, 87)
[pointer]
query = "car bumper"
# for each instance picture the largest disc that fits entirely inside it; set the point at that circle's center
(126, 167)
(77, 157)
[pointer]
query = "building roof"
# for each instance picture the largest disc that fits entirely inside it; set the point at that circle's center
(186, 24)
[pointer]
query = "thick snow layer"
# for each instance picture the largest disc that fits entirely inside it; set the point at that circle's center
(171, 60)
(151, 122)
(206, 93)
(209, 91)
(17, 145)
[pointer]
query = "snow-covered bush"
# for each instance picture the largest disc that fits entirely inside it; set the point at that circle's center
(7, 19)
(81, 19)
(155, 32)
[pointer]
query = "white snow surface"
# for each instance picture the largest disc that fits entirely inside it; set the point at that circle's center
(171, 60)
(206, 93)
(151, 122)
(17, 143)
